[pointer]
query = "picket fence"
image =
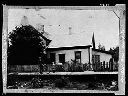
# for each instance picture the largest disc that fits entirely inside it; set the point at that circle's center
(101, 66)
(105, 66)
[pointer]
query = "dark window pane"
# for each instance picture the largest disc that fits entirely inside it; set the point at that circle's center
(62, 58)
(78, 56)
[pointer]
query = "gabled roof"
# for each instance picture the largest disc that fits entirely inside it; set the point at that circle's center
(74, 41)
(70, 40)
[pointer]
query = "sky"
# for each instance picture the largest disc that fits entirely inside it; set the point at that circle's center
(104, 24)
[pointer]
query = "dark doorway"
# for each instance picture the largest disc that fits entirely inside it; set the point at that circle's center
(52, 57)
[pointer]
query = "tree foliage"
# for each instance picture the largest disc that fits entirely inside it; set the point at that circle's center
(115, 52)
(26, 46)
(101, 47)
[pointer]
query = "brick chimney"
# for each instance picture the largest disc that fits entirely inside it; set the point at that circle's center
(42, 28)
(24, 21)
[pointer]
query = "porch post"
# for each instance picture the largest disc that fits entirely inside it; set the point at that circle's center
(90, 57)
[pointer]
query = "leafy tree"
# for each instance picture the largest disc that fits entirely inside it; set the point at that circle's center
(115, 52)
(25, 46)
(101, 47)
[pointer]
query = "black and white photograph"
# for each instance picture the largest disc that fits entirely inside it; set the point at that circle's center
(63, 49)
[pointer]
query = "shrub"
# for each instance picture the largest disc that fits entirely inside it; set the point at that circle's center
(36, 82)
(66, 66)
(62, 82)
(76, 67)
(59, 68)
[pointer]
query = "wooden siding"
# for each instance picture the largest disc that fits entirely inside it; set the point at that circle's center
(69, 54)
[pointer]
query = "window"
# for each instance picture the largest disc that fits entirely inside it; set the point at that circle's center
(52, 57)
(78, 56)
(62, 58)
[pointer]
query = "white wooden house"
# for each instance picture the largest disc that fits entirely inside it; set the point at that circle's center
(64, 48)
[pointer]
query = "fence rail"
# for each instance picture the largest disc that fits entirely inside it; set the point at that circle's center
(105, 66)
(97, 67)
(23, 68)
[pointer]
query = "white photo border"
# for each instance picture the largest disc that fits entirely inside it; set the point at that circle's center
(121, 69)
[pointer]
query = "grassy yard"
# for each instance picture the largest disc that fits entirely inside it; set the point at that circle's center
(72, 82)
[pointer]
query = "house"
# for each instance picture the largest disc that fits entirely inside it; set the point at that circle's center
(78, 47)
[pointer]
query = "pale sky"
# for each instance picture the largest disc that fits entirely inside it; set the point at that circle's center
(103, 23)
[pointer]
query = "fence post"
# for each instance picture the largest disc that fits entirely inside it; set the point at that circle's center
(85, 67)
(107, 66)
(98, 66)
(91, 68)
(110, 66)
(103, 65)
(95, 66)
(114, 66)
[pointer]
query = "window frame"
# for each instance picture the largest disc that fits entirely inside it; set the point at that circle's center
(80, 55)
(61, 59)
